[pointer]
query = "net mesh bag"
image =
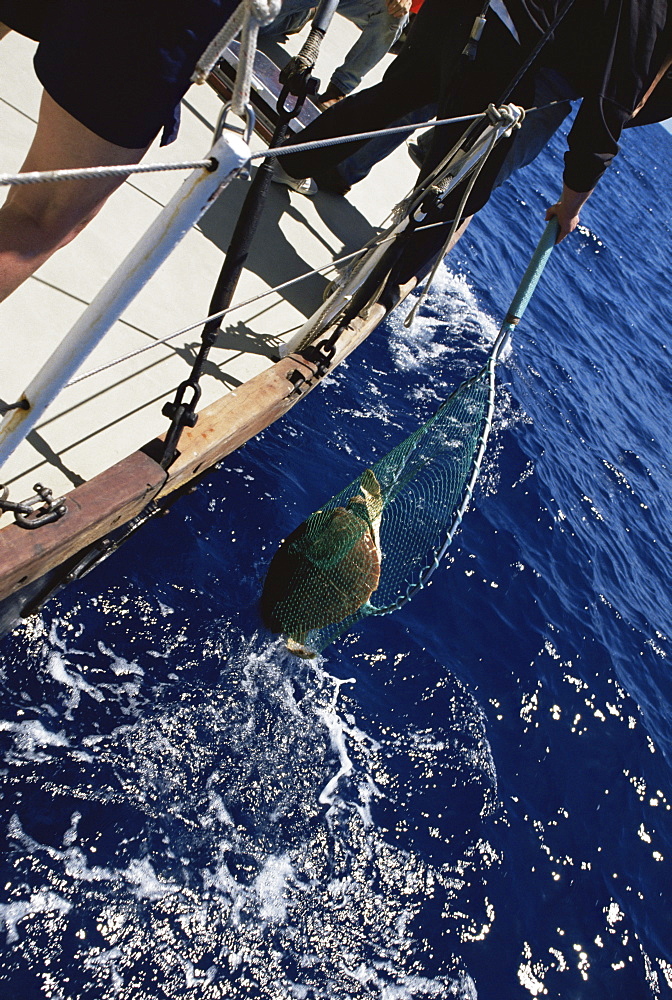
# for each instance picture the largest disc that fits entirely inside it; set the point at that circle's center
(376, 543)
(373, 545)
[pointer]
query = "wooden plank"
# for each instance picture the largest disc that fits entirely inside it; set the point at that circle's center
(117, 495)
(94, 509)
(231, 421)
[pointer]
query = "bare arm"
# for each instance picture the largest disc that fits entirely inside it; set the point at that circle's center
(567, 210)
(397, 8)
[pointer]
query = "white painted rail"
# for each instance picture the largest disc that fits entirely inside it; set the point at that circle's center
(231, 154)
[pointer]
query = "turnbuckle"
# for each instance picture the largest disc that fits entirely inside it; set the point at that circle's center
(28, 514)
(177, 408)
(181, 415)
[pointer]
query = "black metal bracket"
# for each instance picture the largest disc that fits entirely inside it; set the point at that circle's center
(297, 79)
(30, 514)
(322, 354)
(299, 381)
(181, 415)
(22, 404)
(298, 82)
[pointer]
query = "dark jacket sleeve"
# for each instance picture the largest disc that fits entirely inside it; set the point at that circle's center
(618, 55)
(597, 126)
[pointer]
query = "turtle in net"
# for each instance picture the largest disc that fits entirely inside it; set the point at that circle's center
(327, 569)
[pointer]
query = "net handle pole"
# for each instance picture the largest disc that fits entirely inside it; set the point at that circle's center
(518, 305)
(527, 285)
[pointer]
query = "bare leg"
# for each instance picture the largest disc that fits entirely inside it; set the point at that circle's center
(37, 220)
(4, 30)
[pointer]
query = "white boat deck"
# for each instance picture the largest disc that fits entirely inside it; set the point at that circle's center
(99, 421)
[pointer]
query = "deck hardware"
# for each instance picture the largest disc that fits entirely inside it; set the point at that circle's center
(86, 560)
(22, 404)
(105, 547)
(29, 514)
(298, 82)
(171, 410)
(250, 121)
(297, 74)
(183, 414)
(322, 355)
(169, 227)
(298, 380)
(93, 557)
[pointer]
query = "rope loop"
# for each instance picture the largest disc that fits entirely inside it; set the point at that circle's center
(506, 114)
(246, 20)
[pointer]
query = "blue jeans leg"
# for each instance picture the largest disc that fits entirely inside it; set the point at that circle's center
(379, 33)
(357, 166)
(293, 17)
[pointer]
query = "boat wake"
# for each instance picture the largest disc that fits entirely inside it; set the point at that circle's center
(451, 327)
(239, 830)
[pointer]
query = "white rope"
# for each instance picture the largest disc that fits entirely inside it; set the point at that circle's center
(246, 20)
(94, 173)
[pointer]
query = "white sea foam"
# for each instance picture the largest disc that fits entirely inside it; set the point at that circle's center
(30, 735)
(107, 962)
(452, 311)
(12, 914)
(141, 875)
(56, 666)
(119, 665)
(337, 737)
(271, 887)
(299, 899)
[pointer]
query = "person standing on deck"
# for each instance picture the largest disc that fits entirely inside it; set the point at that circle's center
(381, 23)
(114, 73)
(608, 52)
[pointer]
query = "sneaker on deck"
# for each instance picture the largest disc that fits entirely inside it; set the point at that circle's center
(303, 185)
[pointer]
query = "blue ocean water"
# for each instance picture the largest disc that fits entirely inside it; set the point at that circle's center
(470, 798)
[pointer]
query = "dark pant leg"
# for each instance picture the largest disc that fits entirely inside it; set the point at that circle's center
(355, 168)
(121, 67)
(412, 80)
(481, 83)
(25, 16)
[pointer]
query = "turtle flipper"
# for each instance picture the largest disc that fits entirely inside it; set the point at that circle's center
(298, 648)
(373, 498)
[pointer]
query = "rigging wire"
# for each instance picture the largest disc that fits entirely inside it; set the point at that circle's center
(298, 82)
(126, 170)
(454, 226)
(92, 173)
(334, 264)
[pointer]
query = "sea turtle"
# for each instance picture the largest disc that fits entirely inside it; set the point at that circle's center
(327, 569)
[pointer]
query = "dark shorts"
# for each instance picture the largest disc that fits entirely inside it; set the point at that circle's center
(120, 67)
